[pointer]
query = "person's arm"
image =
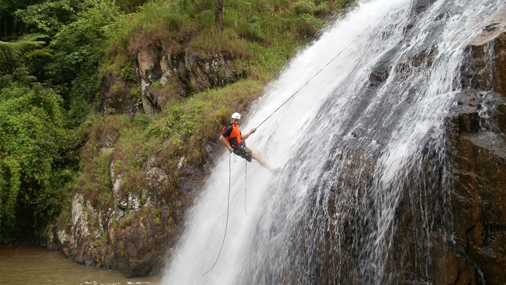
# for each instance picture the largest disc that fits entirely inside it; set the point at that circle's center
(245, 136)
(223, 139)
(225, 142)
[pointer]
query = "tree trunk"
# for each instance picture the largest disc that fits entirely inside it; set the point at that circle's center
(219, 13)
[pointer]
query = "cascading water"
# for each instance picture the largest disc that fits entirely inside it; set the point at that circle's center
(362, 142)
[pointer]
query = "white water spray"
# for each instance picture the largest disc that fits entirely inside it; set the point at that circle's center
(338, 116)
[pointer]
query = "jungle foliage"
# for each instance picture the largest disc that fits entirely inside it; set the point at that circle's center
(53, 54)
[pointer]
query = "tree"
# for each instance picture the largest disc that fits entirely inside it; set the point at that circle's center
(31, 141)
(11, 53)
(129, 5)
(79, 47)
(219, 13)
(9, 22)
(48, 17)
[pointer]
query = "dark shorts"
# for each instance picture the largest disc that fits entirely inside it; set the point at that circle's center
(243, 152)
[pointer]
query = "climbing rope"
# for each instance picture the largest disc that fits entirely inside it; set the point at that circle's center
(228, 211)
(307, 82)
(245, 187)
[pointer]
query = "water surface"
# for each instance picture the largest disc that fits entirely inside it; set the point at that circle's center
(31, 265)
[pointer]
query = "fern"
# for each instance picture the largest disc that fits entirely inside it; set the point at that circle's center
(12, 52)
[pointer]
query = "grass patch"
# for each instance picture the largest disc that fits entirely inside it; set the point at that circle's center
(188, 124)
(261, 35)
(94, 178)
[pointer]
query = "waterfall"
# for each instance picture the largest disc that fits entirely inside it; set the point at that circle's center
(362, 152)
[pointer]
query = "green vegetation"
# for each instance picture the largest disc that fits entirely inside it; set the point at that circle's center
(53, 57)
(34, 145)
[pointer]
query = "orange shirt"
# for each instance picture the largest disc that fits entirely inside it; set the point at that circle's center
(232, 133)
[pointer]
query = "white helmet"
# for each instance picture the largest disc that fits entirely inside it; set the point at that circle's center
(236, 116)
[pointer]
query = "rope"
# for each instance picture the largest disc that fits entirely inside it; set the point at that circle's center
(228, 211)
(307, 82)
(245, 187)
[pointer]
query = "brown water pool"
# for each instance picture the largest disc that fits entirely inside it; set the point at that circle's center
(31, 265)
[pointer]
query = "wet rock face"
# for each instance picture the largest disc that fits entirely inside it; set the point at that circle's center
(466, 241)
(478, 159)
(485, 67)
(450, 224)
(478, 195)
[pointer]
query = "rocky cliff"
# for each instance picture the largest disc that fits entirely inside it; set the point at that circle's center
(135, 233)
(477, 143)
(449, 225)
(160, 76)
(466, 241)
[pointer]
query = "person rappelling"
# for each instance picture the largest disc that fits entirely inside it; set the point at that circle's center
(235, 142)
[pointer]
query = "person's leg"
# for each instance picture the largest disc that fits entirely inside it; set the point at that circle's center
(256, 155)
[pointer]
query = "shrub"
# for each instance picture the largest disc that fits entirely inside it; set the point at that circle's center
(32, 139)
